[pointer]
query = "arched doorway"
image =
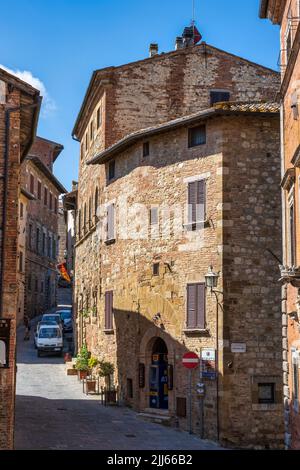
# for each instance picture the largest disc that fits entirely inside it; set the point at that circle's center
(158, 377)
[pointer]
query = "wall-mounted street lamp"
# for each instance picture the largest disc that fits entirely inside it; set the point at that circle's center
(211, 279)
(211, 282)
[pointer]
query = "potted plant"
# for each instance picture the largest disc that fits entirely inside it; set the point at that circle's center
(82, 363)
(91, 380)
(106, 369)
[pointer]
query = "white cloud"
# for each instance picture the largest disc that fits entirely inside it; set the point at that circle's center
(48, 104)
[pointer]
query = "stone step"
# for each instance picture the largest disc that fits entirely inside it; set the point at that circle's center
(159, 418)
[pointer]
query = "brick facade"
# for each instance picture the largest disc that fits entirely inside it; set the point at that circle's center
(240, 226)
(42, 237)
(15, 137)
(287, 15)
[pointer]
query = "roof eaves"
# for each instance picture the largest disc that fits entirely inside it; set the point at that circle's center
(36, 161)
(131, 139)
(263, 8)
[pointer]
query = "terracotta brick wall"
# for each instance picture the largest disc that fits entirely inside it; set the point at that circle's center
(7, 376)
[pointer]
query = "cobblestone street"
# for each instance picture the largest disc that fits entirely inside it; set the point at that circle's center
(53, 413)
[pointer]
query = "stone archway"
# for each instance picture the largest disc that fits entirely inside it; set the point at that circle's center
(154, 341)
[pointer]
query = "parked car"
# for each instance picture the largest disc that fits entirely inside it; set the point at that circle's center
(49, 340)
(67, 319)
(53, 317)
(38, 327)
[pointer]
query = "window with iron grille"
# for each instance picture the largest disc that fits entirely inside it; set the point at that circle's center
(197, 136)
(266, 393)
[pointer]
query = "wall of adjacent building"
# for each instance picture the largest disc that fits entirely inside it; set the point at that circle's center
(7, 376)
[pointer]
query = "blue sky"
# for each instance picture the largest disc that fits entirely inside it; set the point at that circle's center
(61, 42)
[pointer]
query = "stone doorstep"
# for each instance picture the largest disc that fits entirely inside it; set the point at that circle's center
(156, 416)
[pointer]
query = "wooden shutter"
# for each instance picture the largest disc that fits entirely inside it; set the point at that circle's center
(200, 320)
(109, 310)
(201, 201)
(196, 306)
(31, 184)
(111, 222)
(196, 201)
(192, 202)
(153, 216)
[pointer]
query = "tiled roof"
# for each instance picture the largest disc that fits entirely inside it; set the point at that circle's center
(243, 107)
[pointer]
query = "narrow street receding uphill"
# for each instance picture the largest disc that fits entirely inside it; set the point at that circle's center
(53, 413)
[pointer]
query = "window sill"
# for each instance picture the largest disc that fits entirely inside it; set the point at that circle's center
(109, 331)
(196, 331)
(266, 406)
(110, 242)
(195, 226)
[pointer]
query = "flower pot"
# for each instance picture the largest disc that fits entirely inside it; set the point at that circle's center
(82, 374)
(67, 357)
(91, 386)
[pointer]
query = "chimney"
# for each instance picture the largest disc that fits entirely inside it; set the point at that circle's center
(153, 49)
(179, 43)
(188, 36)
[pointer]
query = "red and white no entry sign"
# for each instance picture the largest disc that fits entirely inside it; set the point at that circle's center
(190, 360)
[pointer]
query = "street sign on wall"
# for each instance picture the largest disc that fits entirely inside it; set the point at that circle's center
(208, 363)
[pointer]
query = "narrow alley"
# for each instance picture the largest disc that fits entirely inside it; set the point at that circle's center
(53, 413)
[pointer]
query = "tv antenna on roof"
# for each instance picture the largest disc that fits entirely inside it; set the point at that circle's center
(193, 20)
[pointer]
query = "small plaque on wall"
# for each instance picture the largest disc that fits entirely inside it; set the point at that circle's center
(4, 342)
(238, 347)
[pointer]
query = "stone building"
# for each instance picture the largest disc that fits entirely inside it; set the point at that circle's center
(24, 199)
(287, 15)
(163, 194)
(41, 226)
(62, 232)
(19, 111)
(70, 204)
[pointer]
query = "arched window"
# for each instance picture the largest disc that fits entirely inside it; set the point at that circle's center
(96, 204)
(84, 218)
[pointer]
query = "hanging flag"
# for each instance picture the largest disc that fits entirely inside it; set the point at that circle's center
(62, 268)
(197, 36)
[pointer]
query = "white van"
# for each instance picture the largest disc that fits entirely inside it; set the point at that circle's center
(49, 340)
